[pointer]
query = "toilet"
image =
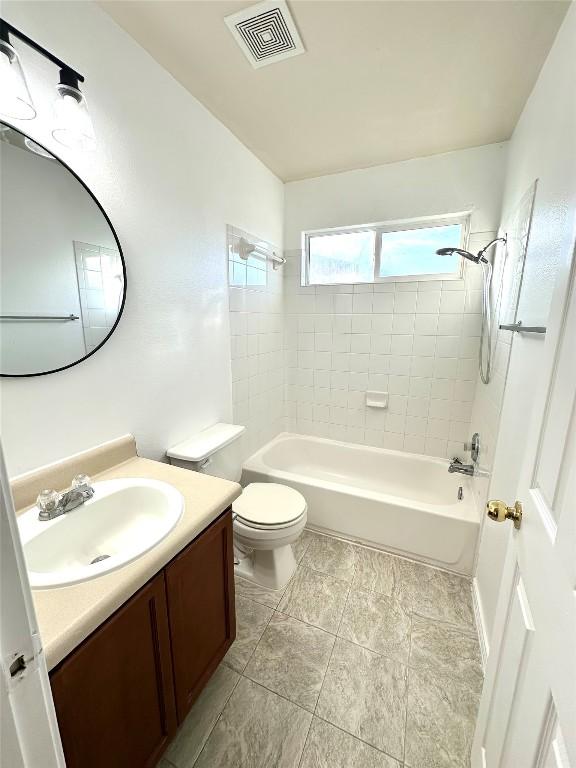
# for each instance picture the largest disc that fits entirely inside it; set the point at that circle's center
(267, 518)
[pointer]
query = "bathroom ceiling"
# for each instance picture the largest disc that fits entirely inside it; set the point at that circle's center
(379, 82)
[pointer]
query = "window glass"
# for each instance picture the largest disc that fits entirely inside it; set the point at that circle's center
(341, 257)
(376, 253)
(413, 251)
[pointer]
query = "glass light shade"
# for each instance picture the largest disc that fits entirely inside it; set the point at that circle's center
(37, 149)
(15, 99)
(72, 123)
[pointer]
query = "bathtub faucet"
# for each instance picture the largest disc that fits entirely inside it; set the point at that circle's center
(462, 469)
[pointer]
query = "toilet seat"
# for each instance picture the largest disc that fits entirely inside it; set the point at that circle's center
(269, 506)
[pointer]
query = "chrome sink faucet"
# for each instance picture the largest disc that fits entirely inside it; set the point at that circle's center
(462, 469)
(53, 504)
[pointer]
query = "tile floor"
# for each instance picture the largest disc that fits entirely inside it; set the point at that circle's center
(365, 660)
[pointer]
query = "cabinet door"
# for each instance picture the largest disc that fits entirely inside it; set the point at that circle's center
(114, 694)
(200, 589)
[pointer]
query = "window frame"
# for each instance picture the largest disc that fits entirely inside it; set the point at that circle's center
(398, 225)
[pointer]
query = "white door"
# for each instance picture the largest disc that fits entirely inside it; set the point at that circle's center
(527, 716)
(28, 731)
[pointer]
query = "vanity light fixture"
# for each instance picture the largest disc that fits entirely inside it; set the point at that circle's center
(15, 99)
(72, 125)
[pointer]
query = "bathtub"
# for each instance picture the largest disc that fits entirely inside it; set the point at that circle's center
(401, 502)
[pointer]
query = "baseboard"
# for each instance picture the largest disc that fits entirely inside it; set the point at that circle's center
(480, 623)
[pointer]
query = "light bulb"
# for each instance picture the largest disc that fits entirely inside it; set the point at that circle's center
(15, 99)
(72, 123)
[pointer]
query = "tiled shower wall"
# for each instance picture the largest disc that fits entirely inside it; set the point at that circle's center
(257, 347)
(418, 341)
(304, 357)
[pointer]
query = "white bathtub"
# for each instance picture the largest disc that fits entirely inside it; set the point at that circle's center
(400, 502)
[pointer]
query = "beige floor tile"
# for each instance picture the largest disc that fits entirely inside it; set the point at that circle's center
(444, 649)
(251, 621)
(315, 598)
(197, 726)
(377, 622)
(440, 721)
(264, 595)
(291, 659)
(364, 693)
(257, 729)
(329, 747)
(332, 556)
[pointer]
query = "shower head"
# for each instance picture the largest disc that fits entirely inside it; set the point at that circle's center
(470, 256)
(460, 252)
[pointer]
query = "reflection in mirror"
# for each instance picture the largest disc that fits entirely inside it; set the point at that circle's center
(62, 275)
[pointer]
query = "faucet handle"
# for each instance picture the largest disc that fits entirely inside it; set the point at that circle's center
(82, 484)
(47, 502)
(455, 460)
(78, 481)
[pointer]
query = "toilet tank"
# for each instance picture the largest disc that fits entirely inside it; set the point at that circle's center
(213, 451)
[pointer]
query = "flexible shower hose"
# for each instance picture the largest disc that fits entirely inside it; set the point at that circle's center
(485, 351)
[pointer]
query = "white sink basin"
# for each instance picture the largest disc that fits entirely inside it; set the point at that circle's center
(124, 519)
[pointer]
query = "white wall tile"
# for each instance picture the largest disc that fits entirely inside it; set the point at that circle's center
(383, 303)
(403, 324)
(343, 304)
(401, 345)
(418, 406)
(452, 301)
(382, 323)
(428, 302)
(426, 324)
(405, 302)
(416, 341)
(362, 303)
(360, 342)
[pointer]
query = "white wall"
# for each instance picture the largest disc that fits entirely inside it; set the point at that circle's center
(170, 176)
(455, 181)
(542, 147)
(44, 209)
(416, 340)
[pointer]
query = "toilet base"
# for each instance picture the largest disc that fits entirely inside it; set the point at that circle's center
(270, 568)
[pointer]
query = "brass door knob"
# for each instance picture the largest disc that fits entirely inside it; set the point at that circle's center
(499, 511)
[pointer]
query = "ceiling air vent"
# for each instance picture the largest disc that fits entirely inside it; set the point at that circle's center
(266, 33)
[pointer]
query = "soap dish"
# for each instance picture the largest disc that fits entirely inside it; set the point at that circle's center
(376, 399)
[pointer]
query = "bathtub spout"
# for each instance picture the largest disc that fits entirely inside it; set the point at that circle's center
(462, 469)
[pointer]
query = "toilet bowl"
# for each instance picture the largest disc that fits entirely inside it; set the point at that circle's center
(267, 518)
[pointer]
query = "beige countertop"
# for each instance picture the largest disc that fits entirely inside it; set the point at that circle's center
(67, 615)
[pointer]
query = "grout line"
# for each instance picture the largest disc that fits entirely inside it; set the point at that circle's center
(336, 639)
(273, 611)
(306, 741)
(374, 548)
(219, 715)
(359, 738)
(407, 687)
(280, 695)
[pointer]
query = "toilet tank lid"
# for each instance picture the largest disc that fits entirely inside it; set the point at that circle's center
(205, 443)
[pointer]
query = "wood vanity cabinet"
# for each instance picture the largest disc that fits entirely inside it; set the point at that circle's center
(200, 590)
(120, 695)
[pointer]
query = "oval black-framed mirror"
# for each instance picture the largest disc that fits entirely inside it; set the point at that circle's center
(62, 270)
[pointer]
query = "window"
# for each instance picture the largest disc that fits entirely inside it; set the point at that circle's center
(384, 252)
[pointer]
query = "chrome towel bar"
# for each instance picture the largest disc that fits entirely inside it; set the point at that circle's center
(519, 328)
(39, 317)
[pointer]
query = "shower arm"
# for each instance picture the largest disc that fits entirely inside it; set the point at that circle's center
(481, 253)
